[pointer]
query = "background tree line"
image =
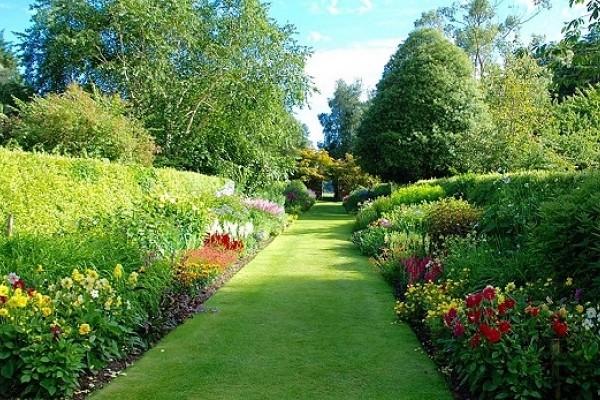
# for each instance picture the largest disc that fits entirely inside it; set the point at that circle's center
(213, 82)
(463, 93)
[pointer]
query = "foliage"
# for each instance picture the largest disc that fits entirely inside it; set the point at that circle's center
(426, 99)
(71, 190)
(519, 103)
(339, 126)
(214, 81)
(314, 167)
(298, 198)
(566, 237)
(11, 84)
(575, 128)
(79, 125)
(476, 27)
(450, 217)
(359, 197)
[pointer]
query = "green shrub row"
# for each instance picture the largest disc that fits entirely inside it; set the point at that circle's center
(105, 258)
(48, 194)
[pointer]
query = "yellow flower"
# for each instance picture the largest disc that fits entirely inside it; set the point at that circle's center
(569, 282)
(563, 312)
(67, 283)
(84, 329)
(77, 276)
(18, 300)
(579, 308)
(118, 271)
(133, 279)
(3, 290)
(510, 287)
(88, 283)
(90, 273)
(4, 312)
(46, 311)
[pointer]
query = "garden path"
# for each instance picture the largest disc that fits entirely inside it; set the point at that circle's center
(306, 319)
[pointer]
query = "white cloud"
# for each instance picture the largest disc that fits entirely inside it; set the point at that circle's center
(333, 8)
(315, 37)
(363, 61)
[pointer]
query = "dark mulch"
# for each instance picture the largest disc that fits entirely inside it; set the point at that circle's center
(178, 308)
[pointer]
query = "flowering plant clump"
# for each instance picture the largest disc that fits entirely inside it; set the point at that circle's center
(266, 206)
(504, 344)
(49, 336)
(425, 269)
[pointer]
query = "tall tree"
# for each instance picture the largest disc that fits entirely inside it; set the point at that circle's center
(519, 105)
(339, 126)
(474, 27)
(11, 84)
(214, 80)
(425, 101)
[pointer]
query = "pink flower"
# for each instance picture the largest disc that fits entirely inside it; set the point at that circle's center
(458, 329)
(13, 278)
(450, 316)
(474, 300)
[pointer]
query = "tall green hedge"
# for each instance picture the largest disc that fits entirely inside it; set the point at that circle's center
(48, 194)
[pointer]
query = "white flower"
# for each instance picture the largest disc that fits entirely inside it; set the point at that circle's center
(94, 293)
(13, 278)
(591, 313)
(587, 324)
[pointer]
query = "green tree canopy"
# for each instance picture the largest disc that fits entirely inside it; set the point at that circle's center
(213, 80)
(11, 84)
(475, 27)
(426, 99)
(339, 126)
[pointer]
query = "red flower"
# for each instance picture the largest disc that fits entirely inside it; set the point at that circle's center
(55, 329)
(560, 328)
(458, 329)
(490, 312)
(474, 316)
(19, 285)
(475, 340)
(510, 303)
(450, 316)
(3, 299)
(493, 335)
(504, 327)
(502, 309)
(30, 292)
(533, 311)
(474, 300)
(489, 293)
(484, 328)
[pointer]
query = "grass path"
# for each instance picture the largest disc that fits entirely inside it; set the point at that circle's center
(306, 319)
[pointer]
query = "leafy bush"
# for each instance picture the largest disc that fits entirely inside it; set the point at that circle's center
(567, 238)
(78, 124)
(450, 217)
(298, 198)
(70, 190)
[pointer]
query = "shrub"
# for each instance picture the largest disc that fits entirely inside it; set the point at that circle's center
(78, 124)
(70, 190)
(567, 236)
(450, 217)
(298, 198)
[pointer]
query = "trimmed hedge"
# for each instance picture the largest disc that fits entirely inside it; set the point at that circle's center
(73, 189)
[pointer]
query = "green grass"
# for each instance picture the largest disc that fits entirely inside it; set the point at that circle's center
(307, 319)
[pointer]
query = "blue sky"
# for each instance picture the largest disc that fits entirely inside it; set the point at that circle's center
(350, 38)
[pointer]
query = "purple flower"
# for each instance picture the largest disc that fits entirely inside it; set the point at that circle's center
(578, 294)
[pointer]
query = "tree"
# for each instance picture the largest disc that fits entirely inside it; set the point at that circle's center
(426, 99)
(11, 84)
(473, 26)
(78, 124)
(213, 80)
(339, 126)
(519, 105)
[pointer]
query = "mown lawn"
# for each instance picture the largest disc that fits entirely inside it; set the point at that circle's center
(306, 319)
